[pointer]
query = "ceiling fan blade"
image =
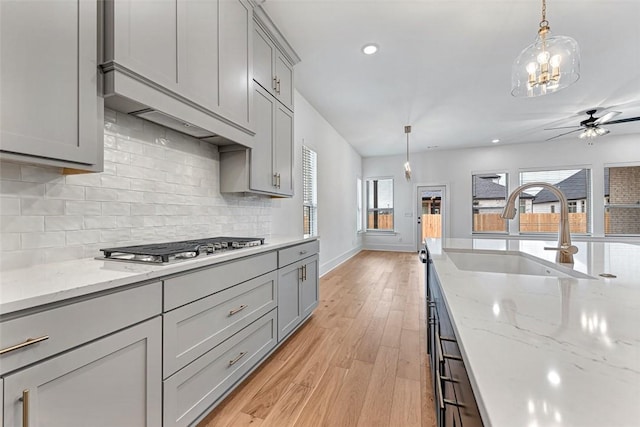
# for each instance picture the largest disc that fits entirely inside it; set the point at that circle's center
(605, 119)
(562, 127)
(563, 134)
(629, 119)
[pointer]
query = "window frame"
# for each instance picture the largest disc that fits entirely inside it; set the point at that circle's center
(474, 208)
(588, 202)
(392, 208)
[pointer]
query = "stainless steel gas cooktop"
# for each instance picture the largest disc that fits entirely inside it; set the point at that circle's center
(162, 253)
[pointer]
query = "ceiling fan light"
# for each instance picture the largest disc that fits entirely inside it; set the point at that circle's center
(601, 131)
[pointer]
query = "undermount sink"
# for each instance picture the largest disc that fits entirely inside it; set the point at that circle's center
(510, 262)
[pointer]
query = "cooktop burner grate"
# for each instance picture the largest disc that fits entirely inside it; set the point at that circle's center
(166, 252)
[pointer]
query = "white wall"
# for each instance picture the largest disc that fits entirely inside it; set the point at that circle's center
(454, 168)
(338, 166)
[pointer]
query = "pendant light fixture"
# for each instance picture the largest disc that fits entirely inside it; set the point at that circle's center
(407, 166)
(551, 63)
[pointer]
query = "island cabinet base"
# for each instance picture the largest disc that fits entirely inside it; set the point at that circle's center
(454, 399)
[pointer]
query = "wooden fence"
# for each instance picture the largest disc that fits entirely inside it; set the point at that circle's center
(431, 225)
(548, 222)
(529, 223)
(385, 221)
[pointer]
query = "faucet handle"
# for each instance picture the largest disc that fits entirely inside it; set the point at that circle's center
(571, 249)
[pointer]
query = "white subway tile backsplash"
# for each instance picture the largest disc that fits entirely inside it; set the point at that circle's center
(65, 222)
(142, 209)
(10, 242)
(21, 189)
(115, 235)
(112, 181)
(82, 237)
(100, 222)
(73, 207)
(130, 196)
(116, 208)
(64, 191)
(21, 224)
(101, 194)
(84, 179)
(158, 185)
(9, 206)
(48, 239)
(31, 206)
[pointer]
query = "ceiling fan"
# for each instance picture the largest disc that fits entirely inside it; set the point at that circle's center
(591, 128)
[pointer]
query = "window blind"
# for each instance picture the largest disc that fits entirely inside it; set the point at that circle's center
(310, 191)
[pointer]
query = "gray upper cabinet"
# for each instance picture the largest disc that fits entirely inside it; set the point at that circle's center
(273, 71)
(189, 60)
(268, 167)
(50, 111)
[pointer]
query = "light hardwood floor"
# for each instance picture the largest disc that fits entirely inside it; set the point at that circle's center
(360, 360)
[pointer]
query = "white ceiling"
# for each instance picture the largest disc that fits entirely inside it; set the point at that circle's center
(444, 67)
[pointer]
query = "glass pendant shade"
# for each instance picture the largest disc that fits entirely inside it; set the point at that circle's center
(551, 63)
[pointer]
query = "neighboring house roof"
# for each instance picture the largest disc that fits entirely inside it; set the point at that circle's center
(573, 187)
(484, 188)
(431, 195)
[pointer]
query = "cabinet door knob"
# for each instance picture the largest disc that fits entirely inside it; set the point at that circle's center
(28, 342)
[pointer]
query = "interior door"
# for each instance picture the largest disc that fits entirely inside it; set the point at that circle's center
(431, 215)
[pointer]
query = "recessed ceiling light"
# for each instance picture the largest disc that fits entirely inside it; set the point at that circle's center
(369, 49)
(495, 141)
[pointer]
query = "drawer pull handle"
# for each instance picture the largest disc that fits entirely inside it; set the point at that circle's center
(25, 408)
(237, 310)
(28, 342)
(240, 356)
(303, 252)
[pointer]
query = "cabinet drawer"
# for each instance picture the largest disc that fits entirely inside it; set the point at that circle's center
(189, 287)
(296, 253)
(71, 325)
(193, 390)
(196, 328)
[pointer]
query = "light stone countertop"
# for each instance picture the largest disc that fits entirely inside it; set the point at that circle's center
(50, 283)
(546, 351)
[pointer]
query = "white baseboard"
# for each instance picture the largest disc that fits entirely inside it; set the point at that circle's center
(389, 247)
(335, 262)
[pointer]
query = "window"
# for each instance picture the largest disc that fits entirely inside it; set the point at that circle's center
(310, 191)
(380, 204)
(359, 204)
(489, 195)
(622, 200)
(540, 208)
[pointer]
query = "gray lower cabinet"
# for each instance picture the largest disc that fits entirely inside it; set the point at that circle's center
(193, 389)
(298, 294)
(50, 111)
(114, 381)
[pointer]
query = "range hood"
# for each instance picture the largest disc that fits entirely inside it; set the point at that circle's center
(130, 93)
